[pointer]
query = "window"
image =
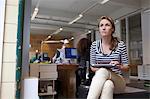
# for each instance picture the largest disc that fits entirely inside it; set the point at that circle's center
(131, 34)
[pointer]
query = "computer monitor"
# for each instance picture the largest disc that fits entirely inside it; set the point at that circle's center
(45, 57)
(71, 53)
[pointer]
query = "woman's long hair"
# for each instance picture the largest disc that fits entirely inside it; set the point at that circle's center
(114, 40)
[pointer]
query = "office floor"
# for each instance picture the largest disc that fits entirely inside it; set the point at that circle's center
(134, 82)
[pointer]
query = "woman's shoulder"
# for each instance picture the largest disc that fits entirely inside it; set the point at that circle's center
(121, 43)
(95, 42)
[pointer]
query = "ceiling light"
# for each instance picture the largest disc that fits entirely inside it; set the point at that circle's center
(65, 41)
(104, 1)
(60, 29)
(57, 31)
(89, 31)
(51, 42)
(76, 19)
(89, 8)
(36, 51)
(72, 38)
(83, 12)
(36, 10)
(48, 38)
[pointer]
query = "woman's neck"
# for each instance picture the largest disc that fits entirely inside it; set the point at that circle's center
(106, 40)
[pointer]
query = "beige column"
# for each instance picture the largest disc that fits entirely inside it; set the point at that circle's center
(8, 74)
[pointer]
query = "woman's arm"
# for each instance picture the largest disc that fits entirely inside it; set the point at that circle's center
(123, 64)
(124, 59)
(124, 68)
(120, 66)
(93, 56)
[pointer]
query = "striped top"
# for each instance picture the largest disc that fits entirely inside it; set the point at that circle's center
(119, 54)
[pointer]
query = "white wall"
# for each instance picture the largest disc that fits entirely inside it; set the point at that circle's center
(146, 37)
(146, 31)
(2, 13)
(97, 35)
(77, 38)
(117, 31)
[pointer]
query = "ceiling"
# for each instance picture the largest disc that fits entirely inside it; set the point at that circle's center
(54, 14)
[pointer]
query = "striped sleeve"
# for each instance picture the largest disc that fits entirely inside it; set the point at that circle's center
(124, 55)
(93, 53)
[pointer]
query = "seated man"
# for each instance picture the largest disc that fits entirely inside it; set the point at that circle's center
(59, 57)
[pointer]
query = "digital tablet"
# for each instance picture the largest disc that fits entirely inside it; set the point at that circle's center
(103, 65)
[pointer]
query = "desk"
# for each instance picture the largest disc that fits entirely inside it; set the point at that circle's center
(67, 77)
(47, 74)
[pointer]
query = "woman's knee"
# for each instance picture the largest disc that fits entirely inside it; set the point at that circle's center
(109, 84)
(102, 72)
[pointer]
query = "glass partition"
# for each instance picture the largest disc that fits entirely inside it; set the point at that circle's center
(131, 34)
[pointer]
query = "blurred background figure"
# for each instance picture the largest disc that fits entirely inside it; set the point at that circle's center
(59, 56)
(83, 50)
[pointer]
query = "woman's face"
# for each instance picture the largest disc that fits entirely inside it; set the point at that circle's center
(105, 28)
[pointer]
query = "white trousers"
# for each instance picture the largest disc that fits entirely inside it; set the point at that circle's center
(105, 83)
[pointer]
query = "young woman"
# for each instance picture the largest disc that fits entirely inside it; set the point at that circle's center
(107, 51)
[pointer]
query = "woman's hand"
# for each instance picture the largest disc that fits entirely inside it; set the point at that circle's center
(120, 66)
(116, 63)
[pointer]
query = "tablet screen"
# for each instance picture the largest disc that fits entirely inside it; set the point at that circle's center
(102, 65)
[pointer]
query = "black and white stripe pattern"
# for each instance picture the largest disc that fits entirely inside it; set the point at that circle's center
(119, 54)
